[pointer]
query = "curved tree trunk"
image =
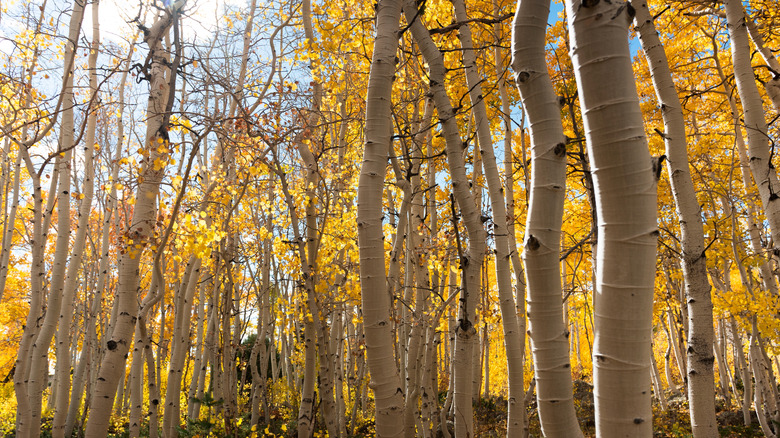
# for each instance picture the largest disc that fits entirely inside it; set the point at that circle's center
(40, 348)
(140, 231)
(626, 205)
(761, 166)
(512, 334)
(63, 340)
(549, 337)
(471, 260)
(701, 335)
(385, 379)
(773, 86)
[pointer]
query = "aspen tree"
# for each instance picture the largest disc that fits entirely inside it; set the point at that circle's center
(385, 379)
(549, 337)
(761, 394)
(9, 218)
(141, 229)
(512, 335)
(764, 173)
(701, 335)
(768, 279)
(90, 349)
(773, 85)
(417, 273)
(29, 399)
(307, 246)
(509, 194)
(23, 423)
(626, 205)
(259, 351)
(310, 156)
(63, 341)
(471, 260)
(40, 348)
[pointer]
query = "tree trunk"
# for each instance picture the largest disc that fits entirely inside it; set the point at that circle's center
(471, 261)
(63, 369)
(626, 206)
(773, 86)
(512, 334)
(761, 166)
(385, 379)
(549, 337)
(140, 230)
(700, 359)
(180, 339)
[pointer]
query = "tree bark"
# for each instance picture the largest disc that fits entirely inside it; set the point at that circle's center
(63, 340)
(141, 229)
(701, 336)
(549, 335)
(626, 206)
(755, 124)
(512, 334)
(385, 379)
(471, 260)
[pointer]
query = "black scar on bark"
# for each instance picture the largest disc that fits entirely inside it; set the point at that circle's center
(560, 150)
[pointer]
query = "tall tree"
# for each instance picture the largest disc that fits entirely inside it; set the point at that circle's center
(141, 231)
(626, 206)
(549, 336)
(701, 335)
(764, 173)
(512, 342)
(386, 381)
(472, 257)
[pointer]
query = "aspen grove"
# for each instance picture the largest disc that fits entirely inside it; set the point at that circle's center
(433, 218)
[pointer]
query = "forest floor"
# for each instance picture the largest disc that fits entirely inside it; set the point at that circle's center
(489, 421)
(490, 417)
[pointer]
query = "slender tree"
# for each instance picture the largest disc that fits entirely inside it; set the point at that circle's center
(701, 335)
(549, 335)
(138, 236)
(386, 381)
(764, 173)
(626, 203)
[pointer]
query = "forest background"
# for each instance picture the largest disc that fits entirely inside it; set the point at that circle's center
(358, 218)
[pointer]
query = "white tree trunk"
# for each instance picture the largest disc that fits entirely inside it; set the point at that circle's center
(626, 205)
(471, 261)
(180, 343)
(761, 166)
(139, 233)
(699, 354)
(549, 337)
(63, 369)
(512, 334)
(385, 379)
(773, 86)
